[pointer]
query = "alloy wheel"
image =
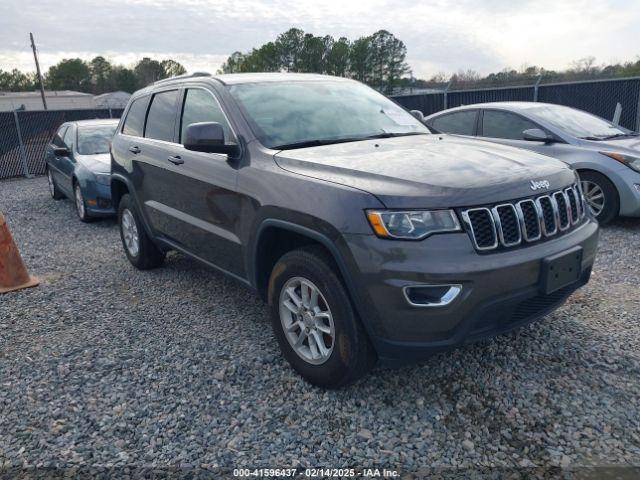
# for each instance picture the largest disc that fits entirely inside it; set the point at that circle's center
(79, 202)
(130, 232)
(593, 195)
(306, 320)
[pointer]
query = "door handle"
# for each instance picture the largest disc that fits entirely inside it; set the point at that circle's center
(177, 160)
(134, 149)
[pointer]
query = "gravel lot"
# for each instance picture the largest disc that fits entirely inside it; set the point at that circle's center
(104, 365)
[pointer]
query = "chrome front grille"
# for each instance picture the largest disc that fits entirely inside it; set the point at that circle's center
(511, 224)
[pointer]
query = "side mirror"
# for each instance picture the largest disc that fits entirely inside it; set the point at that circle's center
(418, 114)
(536, 135)
(61, 152)
(208, 137)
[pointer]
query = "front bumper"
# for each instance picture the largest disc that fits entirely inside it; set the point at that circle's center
(98, 199)
(625, 181)
(500, 290)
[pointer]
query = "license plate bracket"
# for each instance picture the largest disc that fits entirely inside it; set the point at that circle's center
(561, 270)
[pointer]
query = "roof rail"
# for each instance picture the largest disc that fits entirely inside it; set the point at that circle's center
(186, 75)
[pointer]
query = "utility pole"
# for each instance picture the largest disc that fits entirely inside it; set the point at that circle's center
(35, 57)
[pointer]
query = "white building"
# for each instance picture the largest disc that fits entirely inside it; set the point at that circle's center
(56, 100)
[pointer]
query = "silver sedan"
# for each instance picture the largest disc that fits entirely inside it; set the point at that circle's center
(606, 156)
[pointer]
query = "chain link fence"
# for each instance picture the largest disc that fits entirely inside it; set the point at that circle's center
(24, 136)
(599, 97)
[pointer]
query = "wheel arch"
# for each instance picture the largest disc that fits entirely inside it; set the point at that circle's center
(267, 236)
(599, 172)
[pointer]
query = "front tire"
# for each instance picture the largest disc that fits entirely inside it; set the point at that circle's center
(313, 320)
(600, 195)
(81, 205)
(138, 246)
(55, 192)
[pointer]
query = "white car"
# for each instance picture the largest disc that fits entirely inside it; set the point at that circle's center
(606, 156)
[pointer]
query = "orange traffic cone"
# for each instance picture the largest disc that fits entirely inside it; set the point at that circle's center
(13, 274)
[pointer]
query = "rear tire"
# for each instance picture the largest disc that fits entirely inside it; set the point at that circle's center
(600, 195)
(55, 192)
(138, 246)
(346, 354)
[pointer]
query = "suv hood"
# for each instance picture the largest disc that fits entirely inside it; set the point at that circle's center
(429, 171)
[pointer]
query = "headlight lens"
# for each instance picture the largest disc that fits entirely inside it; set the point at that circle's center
(412, 224)
(629, 160)
(103, 178)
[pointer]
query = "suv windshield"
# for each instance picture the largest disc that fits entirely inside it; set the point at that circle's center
(303, 113)
(578, 123)
(95, 139)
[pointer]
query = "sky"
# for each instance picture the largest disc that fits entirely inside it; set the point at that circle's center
(441, 36)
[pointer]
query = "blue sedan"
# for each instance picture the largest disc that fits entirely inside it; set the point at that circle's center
(79, 168)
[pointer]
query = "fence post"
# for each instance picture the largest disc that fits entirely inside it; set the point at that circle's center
(535, 88)
(638, 114)
(23, 153)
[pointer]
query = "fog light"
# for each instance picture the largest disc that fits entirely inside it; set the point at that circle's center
(637, 185)
(431, 295)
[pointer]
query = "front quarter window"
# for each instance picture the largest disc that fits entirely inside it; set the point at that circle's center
(294, 112)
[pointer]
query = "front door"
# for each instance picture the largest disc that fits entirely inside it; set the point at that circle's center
(190, 197)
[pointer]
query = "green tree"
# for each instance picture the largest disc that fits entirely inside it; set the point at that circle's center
(337, 60)
(233, 63)
(312, 55)
(290, 45)
(69, 74)
(172, 68)
(16, 81)
(360, 59)
(387, 63)
(148, 71)
(101, 77)
(124, 79)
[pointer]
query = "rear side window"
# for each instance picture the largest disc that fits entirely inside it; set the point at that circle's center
(134, 123)
(200, 106)
(161, 117)
(497, 124)
(57, 140)
(459, 123)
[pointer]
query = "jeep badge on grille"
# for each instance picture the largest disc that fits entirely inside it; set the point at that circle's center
(537, 185)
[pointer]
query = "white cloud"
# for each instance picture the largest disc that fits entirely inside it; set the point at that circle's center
(484, 35)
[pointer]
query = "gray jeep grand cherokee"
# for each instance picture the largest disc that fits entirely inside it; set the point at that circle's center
(370, 237)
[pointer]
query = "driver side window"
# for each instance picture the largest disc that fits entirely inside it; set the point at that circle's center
(201, 106)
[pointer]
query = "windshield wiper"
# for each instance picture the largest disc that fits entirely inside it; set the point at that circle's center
(595, 139)
(317, 143)
(619, 135)
(314, 143)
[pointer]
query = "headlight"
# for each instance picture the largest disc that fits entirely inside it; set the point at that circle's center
(412, 224)
(103, 178)
(629, 160)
